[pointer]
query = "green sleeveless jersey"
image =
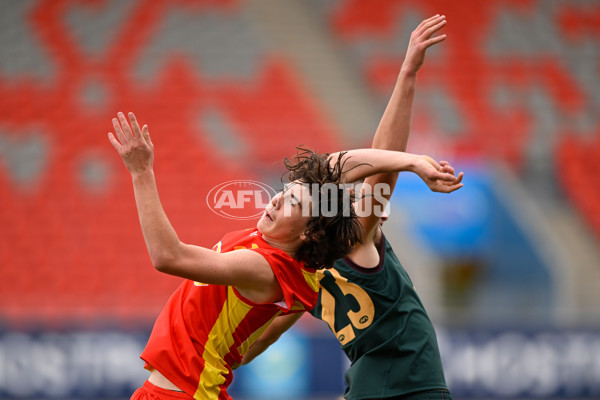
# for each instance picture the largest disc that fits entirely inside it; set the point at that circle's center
(383, 328)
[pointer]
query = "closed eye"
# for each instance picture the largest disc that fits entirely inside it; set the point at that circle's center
(294, 200)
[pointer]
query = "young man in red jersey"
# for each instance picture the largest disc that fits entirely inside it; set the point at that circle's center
(367, 298)
(228, 298)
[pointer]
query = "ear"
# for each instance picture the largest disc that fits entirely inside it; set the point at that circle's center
(303, 237)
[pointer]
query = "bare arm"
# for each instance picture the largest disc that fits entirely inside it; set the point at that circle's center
(439, 178)
(248, 271)
(362, 163)
(394, 128)
(270, 335)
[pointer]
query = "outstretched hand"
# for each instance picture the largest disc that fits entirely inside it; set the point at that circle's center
(133, 144)
(440, 176)
(420, 40)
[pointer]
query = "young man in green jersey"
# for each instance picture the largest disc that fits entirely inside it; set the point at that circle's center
(367, 298)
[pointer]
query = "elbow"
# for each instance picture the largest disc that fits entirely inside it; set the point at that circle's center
(161, 262)
(164, 260)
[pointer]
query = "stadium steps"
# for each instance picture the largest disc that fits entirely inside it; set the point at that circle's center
(584, 268)
(298, 32)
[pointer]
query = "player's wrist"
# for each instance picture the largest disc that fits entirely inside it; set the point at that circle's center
(411, 162)
(407, 72)
(142, 174)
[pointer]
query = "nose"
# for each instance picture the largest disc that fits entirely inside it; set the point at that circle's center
(275, 201)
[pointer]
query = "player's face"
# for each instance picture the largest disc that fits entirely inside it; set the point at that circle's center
(384, 217)
(284, 220)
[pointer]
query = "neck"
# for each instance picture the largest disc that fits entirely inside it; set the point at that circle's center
(289, 248)
(378, 236)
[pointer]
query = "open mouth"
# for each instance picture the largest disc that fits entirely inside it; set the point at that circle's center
(268, 216)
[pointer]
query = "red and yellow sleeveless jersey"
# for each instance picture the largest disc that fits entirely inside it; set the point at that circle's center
(204, 330)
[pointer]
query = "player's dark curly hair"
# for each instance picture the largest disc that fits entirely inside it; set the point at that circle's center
(328, 237)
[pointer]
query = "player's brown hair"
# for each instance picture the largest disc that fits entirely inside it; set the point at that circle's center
(328, 237)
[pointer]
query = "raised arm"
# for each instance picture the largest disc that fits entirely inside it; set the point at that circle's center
(394, 128)
(248, 271)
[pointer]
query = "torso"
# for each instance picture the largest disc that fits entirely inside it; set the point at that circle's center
(382, 326)
(158, 379)
(204, 330)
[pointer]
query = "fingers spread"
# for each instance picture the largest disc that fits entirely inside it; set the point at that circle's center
(434, 40)
(119, 131)
(428, 20)
(431, 26)
(125, 125)
(129, 134)
(434, 28)
(146, 135)
(114, 142)
(134, 125)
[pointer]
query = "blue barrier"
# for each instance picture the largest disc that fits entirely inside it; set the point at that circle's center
(492, 364)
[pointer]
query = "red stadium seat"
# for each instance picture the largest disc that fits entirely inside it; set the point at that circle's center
(71, 245)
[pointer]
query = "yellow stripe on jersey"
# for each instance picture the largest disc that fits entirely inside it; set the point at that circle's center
(243, 348)
(220, 340)
(297, 306)
(311, 279)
